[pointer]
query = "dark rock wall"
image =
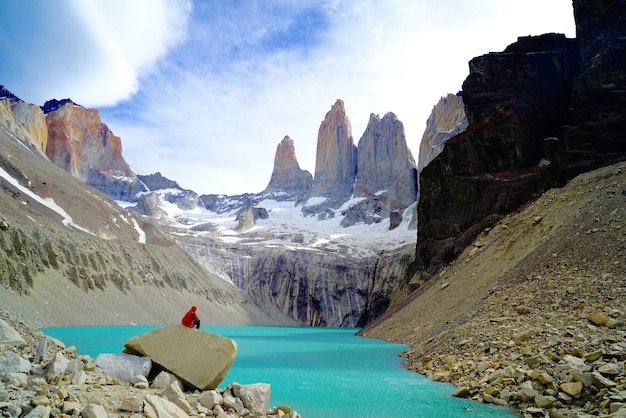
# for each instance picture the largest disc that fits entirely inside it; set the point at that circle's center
(542, 111)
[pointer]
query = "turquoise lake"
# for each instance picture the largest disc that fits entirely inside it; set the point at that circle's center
(319, 372)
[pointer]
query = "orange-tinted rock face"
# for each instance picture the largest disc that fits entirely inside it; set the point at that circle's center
(82, 145)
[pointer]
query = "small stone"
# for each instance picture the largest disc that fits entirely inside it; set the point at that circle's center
(545, 401)
(526, 394)
(594, 355)
(522, 337)
(69, 407)
(462, 392)
(611, 369)
(601, 381)
(94, 411)
(573, 389)
(130, 406)
(615, 323)
(598, 319)
(573, 360)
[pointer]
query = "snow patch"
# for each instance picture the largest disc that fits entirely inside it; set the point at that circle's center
(141, 232)
(47, 201)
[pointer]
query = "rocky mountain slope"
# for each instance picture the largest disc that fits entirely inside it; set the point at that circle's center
(65, 247)
(539, 297)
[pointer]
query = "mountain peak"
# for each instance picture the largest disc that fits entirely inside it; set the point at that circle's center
(335, 164)
(6, 94)
(54, 104)
(287, 175)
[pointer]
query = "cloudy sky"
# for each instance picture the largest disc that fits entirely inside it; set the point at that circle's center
(203, 91)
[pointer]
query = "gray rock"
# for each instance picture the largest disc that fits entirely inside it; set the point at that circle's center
(10, 337)
(163, 380)
(210, 399)
(255, 397)
(11, 362)
(123, 366)
(157, 407)
(42, 411)
(94, 411)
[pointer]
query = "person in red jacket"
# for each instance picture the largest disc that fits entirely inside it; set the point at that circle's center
(191, 319)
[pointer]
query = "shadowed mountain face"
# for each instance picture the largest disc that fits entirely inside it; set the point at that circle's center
(542, 111)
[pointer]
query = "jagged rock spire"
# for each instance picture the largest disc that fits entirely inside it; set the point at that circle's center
(385, 163)
(336, 158)
(287, 175)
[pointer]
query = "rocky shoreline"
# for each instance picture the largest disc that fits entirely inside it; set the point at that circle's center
(563, 359)
(40, 378)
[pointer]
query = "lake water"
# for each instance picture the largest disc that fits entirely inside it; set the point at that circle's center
(319, 372)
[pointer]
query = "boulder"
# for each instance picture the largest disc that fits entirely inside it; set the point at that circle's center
(200, 358)
(123, 366)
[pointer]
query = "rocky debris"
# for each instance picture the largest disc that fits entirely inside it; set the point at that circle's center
(554, 358)
(446, 120)
(65, 383)
(288, 180)
(199, 358)
(335, 162)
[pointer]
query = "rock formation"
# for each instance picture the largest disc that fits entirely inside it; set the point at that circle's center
(288, 179)
(335, 163)
(446, 120)
(197, 357)
(532, 126)
(82, 145)
(386, 173)
(23, 120)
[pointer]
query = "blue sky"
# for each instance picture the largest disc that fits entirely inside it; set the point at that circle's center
(203, 91)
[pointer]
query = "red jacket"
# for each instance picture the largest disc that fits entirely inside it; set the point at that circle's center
(190, 317)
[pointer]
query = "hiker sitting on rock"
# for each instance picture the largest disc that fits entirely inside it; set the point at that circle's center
(191, 319)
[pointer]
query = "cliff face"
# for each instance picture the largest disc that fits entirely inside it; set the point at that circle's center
(23, 120)
(446, 120)
(287, 177)
(336, 158)
(82, 145)
(319, 288)
(531, 127)
(385, 164)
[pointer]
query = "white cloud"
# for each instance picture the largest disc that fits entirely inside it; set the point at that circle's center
(219, 86)
(92, 51)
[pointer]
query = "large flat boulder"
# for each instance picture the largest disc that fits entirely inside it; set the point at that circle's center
(197, 357)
